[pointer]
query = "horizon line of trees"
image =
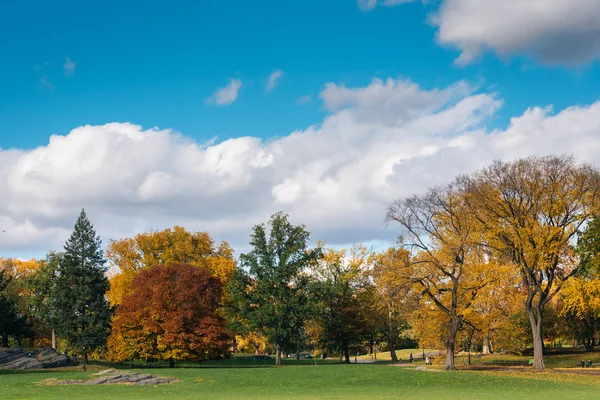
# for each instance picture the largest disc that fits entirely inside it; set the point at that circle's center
(505, 258)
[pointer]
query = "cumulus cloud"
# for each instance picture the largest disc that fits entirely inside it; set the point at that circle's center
(555, 32)
(274, 80)
(69, 66)
(564, 32)
(226, 95)
(380, 142)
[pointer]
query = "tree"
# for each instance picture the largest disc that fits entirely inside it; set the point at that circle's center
(170, 314)
(41, 286)
(394, 294)
(580, 297)
(445, 264)
(531, 210)
(169, 246)
(340, 290)
(580, 306)
(269, 290)
(80, 312)
(12, 323)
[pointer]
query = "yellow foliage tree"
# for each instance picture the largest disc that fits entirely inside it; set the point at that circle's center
(169, 246)
(530, 211)
(580, 300)
(396, 296)
(447, 265)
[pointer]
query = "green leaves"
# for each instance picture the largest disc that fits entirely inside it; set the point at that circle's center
(269, 289)
(79, 309)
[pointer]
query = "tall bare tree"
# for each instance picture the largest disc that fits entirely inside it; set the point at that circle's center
(531, 211)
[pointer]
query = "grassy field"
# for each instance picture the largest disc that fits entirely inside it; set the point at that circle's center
(555, 358)
(371, 381)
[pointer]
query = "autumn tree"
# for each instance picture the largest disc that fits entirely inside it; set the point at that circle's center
(395, 296)
(170, 314)
(340, 290)
(17, 291)
(269, 289)
(580, 297)
(80, 312)
(531, 211)
(168, 246)
(446, 265)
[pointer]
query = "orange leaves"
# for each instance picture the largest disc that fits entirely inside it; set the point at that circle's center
(171, 313)
(176, 245)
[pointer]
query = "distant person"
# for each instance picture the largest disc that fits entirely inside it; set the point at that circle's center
(589, 363)
(427, 360)
(410, 358)
(582, 364)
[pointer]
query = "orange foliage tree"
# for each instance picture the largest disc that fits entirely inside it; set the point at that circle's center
(168, 246)
(170, 314)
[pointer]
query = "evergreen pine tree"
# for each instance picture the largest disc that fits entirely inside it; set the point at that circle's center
(80, 311)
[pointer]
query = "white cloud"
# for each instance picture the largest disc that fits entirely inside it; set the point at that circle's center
(368, 5)
(304, 100)
(45, 83)
(555, 32)
(226, 95)
(382, 141)
(274, 80)
(558, 32)
(69, 66)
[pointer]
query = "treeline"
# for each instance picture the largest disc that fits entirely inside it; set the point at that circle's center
(504, 259)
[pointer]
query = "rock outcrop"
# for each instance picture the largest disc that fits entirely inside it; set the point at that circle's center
(17, 358)
(112, 377)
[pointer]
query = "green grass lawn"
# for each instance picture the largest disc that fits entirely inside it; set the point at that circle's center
(312, 382)
(555, 358)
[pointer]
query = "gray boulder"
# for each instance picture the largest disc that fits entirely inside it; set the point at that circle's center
(17, 358)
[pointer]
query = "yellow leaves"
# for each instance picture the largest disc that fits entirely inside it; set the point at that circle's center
(251, 343)
(164, 247)
(581, 297)
(19, 268)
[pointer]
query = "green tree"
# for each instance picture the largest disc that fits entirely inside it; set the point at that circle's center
(41, 286)
(341, 290)
(269, 289)
(11, 322)
(80, 312)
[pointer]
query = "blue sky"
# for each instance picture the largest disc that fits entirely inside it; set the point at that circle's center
(117, 107)
(155, 64)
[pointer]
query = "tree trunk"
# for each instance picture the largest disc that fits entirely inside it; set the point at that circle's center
(535, 320)
(392, 346)
(171, 363)
(4, 340)
(451, 342)
(450, 356)
(486, 345)
(589, 343)
(85, 361)
(346, 355)
(298, 352)
(277, 355)
(53, 339)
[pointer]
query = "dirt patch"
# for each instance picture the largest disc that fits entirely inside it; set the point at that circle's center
(113, 377)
